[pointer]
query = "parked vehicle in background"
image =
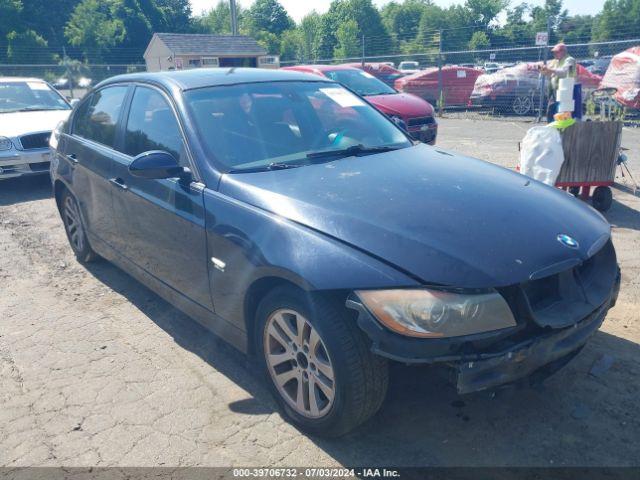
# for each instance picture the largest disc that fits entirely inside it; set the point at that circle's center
(381, 71)
(491, 67)
(409, 67)
(302, 226)
(623, 74)
(29, 110)
(515, 90)
(600, 65)
(457, 84)
(412, 113)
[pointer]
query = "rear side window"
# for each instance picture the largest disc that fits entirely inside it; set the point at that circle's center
(97, 118)
(152, 125)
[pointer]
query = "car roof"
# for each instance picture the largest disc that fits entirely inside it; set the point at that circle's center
(209, 77)
(21, 79)
(321, 68)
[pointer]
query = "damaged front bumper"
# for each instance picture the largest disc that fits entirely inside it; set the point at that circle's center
(490, 360)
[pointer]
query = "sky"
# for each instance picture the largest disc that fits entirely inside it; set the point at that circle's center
(299, 8)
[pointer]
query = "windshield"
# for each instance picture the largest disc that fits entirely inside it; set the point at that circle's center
(362, 83)
(25, 96)
(260, 126)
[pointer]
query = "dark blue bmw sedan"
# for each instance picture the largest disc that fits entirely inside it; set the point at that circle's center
(301, 225)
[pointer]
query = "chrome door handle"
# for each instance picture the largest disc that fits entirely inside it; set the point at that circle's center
(118, 182)
(72, 158)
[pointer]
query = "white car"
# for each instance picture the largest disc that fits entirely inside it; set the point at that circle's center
(409, 67)
(29, 111)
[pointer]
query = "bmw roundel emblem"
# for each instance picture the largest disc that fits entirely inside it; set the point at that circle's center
(568, 241)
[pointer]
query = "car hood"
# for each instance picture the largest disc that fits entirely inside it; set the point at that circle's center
(18, 123)
(403, 104)
(440, 217)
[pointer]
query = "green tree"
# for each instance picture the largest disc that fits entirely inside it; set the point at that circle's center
(310, 31)
(176, 15)
(93, 28)
(483, 12)
(268, 16)
(291, 45)
(366, 17)
(218, 19)
(10, 11)
(403, 19)
(37, 15)
(619, 19)
(479, 41)
(27, 47)
(348, 43)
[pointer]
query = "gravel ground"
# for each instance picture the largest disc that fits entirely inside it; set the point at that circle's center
(96, 370)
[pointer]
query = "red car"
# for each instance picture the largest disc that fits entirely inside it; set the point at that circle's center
(623, 74)
(457, 84)
(381, 71)
(416, 114)
(515, 90)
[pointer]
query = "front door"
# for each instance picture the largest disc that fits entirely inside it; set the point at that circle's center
(90, 152)
(161, 221)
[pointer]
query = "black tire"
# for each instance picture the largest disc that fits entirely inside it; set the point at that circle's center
(602, 198)
(75, 229)
(575, 191)
(361, 378)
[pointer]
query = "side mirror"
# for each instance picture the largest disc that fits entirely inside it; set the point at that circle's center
(156, 164)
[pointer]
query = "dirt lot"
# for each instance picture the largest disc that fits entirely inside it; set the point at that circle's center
(97, 370)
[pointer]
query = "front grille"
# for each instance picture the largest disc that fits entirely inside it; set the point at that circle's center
(419, 121)
(35, 140)
(565, 298)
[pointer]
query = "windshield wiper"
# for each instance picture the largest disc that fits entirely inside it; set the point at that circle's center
(271, 166)
(352, 150)
(36, 109)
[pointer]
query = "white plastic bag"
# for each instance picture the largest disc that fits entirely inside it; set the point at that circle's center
(541, 154)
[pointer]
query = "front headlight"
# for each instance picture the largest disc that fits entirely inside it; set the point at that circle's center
(434, 313)
(5, 144)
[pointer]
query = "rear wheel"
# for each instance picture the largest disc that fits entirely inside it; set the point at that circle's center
(74, 227)
(522, 104)
(318, 363)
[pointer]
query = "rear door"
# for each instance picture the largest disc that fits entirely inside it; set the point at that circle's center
(161, 221)
(89, 150)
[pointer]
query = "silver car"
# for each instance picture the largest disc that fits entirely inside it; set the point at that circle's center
(29, 111)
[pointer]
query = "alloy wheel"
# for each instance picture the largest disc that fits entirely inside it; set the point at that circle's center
(299, 363)
(73, 223)
(522, 105)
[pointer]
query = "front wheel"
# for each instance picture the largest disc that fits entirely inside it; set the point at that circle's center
(74, 227)
(318, 363)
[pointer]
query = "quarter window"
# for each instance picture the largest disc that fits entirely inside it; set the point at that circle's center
(152, 125)
(97, 118)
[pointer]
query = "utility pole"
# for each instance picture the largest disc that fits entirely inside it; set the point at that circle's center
(65, 61)
(234, 17)
(545, 56)
(440, 99)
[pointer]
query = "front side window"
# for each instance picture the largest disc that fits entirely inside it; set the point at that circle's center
(97, 118)
(29, 96)
(361, 82)
(284, 124)
(152, 125)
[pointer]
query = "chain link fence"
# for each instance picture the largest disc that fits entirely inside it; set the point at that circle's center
(501, 80)
(496, 79)
(72, 79)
